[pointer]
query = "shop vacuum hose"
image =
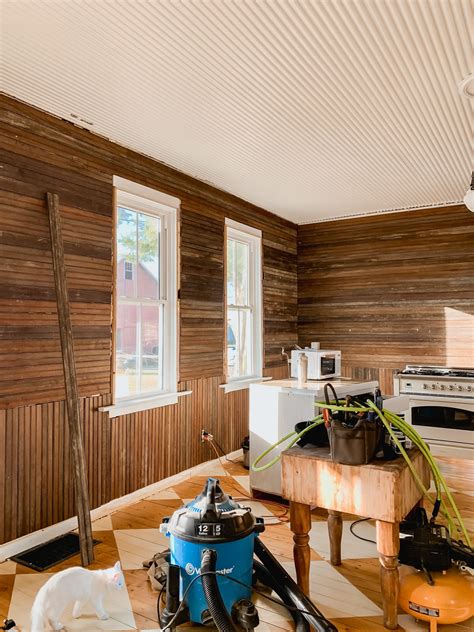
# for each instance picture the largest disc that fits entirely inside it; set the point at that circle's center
(217, 609)
(271, 573)
(301, 625)
(295, 595)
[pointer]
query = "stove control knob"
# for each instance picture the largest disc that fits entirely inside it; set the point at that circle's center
(425, 386)
(450, 387)
(469, 389)
(441, 387)
(460, 388)
(433, 387)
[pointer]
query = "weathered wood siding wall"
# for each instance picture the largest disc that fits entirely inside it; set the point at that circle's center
(38, 154)
(389, 290)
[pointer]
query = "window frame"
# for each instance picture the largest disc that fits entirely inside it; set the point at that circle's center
(253, 238)
(151, 202)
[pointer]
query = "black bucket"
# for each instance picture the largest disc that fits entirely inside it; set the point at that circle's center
(245, 449)
(316, 437)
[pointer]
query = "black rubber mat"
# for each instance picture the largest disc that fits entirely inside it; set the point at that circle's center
(42, 557)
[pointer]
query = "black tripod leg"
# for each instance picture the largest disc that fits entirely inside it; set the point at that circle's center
(172, 599)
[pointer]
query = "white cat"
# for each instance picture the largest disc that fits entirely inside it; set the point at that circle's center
(74, 584)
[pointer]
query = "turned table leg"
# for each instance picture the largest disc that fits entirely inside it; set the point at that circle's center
(335, 536)
(300, 522)
(388, 545)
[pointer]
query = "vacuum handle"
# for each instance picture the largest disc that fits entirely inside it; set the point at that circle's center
(211, 491)
(210, 512)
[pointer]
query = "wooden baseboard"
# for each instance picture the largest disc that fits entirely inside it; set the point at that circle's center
(14, 547)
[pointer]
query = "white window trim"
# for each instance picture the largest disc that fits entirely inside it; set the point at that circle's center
(142, 198)
(250, 230)
(147, 193)
(239, 384)
(127, 406)
(253, 236)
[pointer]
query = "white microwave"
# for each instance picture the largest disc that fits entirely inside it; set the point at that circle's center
(322, 364)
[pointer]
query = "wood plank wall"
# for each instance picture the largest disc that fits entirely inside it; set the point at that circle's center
(40, 153)
(389, 290)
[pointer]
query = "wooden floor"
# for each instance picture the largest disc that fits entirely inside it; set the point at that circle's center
(349, 595)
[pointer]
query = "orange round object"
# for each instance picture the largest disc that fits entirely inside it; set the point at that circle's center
(449, 600)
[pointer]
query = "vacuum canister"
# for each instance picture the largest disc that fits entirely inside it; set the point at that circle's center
(214, 521)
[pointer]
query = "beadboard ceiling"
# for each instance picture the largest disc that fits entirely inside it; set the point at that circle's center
(312, 109)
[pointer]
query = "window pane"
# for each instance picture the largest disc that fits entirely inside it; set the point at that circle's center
(230, 272)
(238, 261)
(241, 273)
(127, 380)
(239, 343)
(126, 252)
(151, 374)
(148, 256)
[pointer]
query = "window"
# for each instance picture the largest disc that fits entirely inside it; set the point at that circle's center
(145, 310)
(244, 298)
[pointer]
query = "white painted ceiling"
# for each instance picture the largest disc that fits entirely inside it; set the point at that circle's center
(312, 109)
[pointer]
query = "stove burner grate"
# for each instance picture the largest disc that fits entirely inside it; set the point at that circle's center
(437, 372)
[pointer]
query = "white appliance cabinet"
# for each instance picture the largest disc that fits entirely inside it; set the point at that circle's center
(275, 408)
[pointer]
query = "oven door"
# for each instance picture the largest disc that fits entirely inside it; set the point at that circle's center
(443, 420)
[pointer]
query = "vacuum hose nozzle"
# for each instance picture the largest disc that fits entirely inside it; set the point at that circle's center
(217, 609)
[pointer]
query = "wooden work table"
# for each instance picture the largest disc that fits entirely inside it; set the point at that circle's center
(384, 491)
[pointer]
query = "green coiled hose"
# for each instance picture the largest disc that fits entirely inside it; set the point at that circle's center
(388, 419)
(315, 422)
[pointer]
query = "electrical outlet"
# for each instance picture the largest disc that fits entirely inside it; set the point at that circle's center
(206, 436)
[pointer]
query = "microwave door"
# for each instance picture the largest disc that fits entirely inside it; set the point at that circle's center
(328, 365)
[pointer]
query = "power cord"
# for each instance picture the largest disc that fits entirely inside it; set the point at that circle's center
(279, 602)
(213, 440)
(359, 537)
(158, 603)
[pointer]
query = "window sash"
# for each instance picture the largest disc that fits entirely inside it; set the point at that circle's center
(137, 265)
(248, 266)
(243, 355)
(139, 354)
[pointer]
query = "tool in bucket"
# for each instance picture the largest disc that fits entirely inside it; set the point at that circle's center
(354, 437)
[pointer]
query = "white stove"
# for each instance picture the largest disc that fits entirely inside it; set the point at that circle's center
(441, 406)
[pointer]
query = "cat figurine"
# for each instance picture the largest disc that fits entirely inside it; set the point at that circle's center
(76, 585)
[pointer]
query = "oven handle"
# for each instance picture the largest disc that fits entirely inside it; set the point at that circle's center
(467, 404)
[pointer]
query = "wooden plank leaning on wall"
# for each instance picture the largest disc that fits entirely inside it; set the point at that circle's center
(70, 381)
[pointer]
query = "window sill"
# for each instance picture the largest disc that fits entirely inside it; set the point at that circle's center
(239, 385)
(125, 407)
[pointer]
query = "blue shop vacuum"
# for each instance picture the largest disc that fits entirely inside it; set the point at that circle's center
(211, 568)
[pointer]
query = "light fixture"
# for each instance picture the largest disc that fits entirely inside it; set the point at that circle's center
(466, 86)
(469, 197)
